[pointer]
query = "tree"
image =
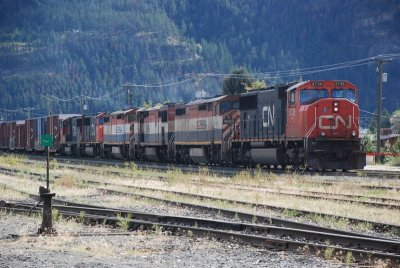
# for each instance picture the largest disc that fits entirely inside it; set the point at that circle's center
(395, 120)
(236, 82)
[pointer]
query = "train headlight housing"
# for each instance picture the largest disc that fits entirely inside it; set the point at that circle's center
(323, 133)
(335, 104)
(336, 109)
(353, 133)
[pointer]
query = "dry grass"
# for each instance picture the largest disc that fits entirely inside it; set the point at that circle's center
(71, 186)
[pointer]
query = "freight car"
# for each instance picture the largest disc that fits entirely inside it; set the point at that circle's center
(312, 123)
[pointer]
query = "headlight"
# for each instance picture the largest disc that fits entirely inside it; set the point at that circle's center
(323, 133)
(336, 104)
(353, 133)
(336, 109)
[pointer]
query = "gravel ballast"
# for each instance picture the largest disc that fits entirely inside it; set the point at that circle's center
(139, 249)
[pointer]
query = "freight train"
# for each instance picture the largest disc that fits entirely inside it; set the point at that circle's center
(313, 124)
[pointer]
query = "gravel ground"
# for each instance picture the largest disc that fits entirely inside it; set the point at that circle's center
(140, 249)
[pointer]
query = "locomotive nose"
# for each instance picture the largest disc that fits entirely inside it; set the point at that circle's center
(337, 119)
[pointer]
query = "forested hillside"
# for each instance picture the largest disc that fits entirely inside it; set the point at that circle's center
(86, 47)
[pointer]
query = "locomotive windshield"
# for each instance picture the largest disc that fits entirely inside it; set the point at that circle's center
(308, 96)
(349, 94)
(228, 105)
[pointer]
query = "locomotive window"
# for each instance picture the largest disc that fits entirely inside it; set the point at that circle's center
(309, 96)
(131, 117)
(119, 116)
(87, 121)
(228, 105)
(106, 119)
(180, 111)
(349, 94)
(292, 96)
(202, 107)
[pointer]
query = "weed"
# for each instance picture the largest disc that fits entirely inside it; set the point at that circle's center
(174, 176)
(67, 181)
(157, 229)
(349, 258)
(190, 233)
(219, 214)
(243, 176)
(291, 213)
(257, 197)
(328, 253)
(82, 216)
(196, 225)
(134, 167)
(254, 219)
(82, 184)
(237, 218)
(204, 171)
(53, 164)
(55, 215)
(124, 222)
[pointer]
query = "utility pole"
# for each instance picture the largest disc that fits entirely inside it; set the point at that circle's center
(48, 106)
(199, 93)
(129, 94)
(28, 112)
(83, 104)
(380, 61)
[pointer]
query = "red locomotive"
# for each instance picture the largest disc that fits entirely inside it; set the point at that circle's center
(312, 123)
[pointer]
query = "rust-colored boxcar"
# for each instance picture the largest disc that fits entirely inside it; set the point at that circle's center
(29, 134)
(20, 133)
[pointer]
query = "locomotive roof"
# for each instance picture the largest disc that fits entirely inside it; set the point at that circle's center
(201, 101)
(65, 116)
(123, 111)
(296, 85)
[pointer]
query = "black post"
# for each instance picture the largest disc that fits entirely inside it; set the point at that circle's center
(47, 221)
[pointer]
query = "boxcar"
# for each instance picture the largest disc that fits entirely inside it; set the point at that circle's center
(3, 140)
(20, 135)
(29, 135)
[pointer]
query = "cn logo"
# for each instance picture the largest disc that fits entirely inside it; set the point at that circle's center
(333, 122)
(268, 115)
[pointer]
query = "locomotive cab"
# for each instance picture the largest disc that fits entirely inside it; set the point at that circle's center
(325, 115)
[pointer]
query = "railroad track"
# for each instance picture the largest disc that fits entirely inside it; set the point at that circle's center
(272, 237)
(356, 199)
(378, 226)
(325, 182)
(223, 170)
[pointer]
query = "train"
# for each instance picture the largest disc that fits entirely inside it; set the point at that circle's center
(313, 124)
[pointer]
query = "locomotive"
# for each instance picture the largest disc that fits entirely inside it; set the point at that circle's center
(313, 124)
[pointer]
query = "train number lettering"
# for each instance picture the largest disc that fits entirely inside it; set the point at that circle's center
(339, 83)
(202, 124)
(317, 84)
(228, 121)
